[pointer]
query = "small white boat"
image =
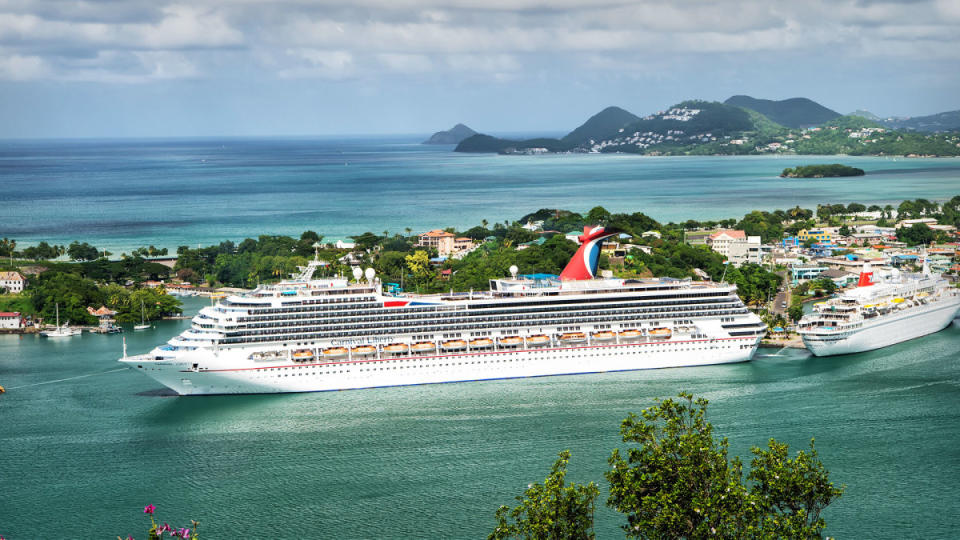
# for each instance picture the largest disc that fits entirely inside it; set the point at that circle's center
(61, 331)
(143, 323)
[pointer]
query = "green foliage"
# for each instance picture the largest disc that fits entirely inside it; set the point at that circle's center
(552, 510)
(918, 234)
(43, 251)
(791, 493)
(677, 481)
(7, 247)
(82, 252)
(763, 224)
(822, 171)
(754, 282)
(795, 311)
(155, 302)
(72, 292)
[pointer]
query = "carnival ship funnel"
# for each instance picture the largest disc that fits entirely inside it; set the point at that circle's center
(866, 276)
(584, 263)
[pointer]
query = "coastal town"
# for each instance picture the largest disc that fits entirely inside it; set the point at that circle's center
(818, 254)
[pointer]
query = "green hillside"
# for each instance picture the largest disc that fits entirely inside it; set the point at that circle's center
(793, 112)
(945, 121)
(602, 124)
(711, 128)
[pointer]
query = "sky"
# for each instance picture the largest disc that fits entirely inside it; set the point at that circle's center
(157, 68)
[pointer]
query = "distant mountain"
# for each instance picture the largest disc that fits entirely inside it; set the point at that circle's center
(793, 112)
(866, 114)
(453, 135)
(710, 128)
(945, 121)
(600, 125)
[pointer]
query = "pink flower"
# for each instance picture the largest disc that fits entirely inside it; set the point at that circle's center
(184, 533)
(165, 528)
(148, 509)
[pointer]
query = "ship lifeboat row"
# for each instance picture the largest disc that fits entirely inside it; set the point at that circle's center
(453, 345)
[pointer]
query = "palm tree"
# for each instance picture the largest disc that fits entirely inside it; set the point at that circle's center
(484, 223)
(409, 231)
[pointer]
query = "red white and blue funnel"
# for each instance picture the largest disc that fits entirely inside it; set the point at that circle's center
(584, 263)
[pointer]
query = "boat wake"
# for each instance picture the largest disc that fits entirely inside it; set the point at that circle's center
(67, 379)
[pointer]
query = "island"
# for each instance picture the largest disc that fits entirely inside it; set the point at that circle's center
(821, 171)
(453, 135)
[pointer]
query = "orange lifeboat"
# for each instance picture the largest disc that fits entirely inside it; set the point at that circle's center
(363, 350)
(481, 343)
(511, 341)
(454, 345)
(396, 348)
(661, 333)
(538, 340)
(424, 347)
(573, 337)
(603, 336)
(335, 352)
(302, 354)
(630, 335)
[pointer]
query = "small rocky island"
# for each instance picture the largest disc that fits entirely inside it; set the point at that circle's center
(453, 135)
(821, 171)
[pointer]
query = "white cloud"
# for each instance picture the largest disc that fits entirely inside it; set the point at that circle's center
(22, 68)
(331, 39)
(406, 63)
(319, 63)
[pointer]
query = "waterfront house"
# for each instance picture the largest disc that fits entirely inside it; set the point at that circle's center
(13, 282)
(10, 320)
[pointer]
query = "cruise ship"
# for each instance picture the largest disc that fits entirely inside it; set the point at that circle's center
(879, 312)
(307, 334)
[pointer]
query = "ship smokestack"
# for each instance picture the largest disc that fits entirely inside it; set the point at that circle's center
(584, 263)
(866, 276)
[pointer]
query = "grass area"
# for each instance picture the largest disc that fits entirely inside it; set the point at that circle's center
(15, 302)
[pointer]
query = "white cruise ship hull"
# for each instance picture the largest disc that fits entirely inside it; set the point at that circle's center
(889, 330)
(221, 376)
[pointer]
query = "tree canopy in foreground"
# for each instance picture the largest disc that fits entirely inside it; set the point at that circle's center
(676, 480)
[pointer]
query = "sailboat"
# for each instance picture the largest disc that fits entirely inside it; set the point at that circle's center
(143, 323)
(61, 331)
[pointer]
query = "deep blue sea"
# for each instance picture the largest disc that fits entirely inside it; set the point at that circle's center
(123, 194)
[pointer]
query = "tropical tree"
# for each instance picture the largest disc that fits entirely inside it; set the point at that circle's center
(678, 481)
(552, 510)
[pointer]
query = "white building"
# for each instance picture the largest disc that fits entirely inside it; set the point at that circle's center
(13, 282)
(9, 320)
(345, 245)
(737, 247)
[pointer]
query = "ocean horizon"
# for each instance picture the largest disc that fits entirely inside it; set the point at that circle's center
(119, 194)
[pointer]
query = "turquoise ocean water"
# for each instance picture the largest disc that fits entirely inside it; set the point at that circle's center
(124, 194)
(85, 445)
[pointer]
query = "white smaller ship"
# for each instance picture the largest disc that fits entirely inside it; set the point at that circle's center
(895, 308)
(61, 331)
